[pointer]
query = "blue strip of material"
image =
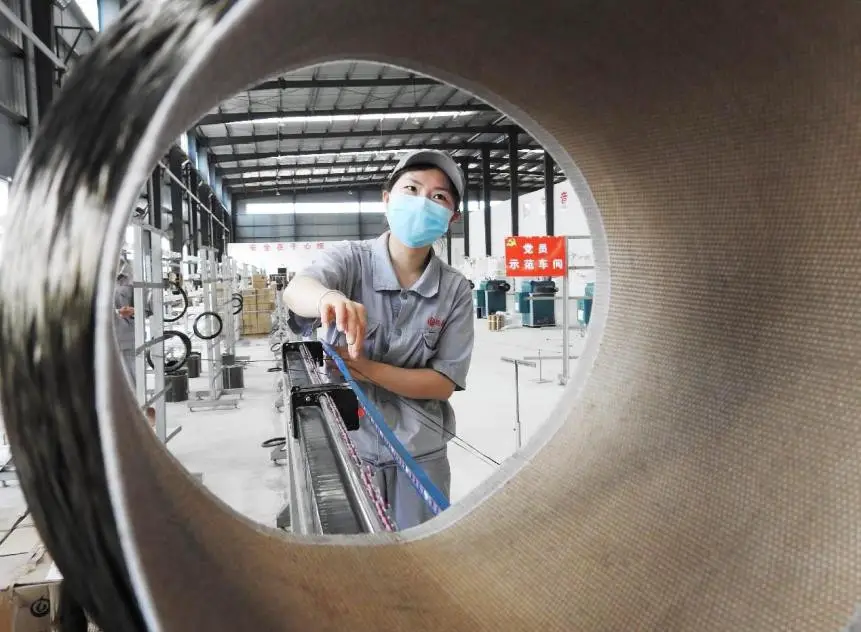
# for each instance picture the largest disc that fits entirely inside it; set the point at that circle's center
(427, 491)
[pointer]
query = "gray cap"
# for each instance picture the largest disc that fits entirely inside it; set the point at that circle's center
(439, 159)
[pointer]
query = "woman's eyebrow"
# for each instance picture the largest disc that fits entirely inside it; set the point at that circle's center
(413, 180)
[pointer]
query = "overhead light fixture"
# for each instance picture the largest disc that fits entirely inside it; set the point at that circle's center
(382, 116)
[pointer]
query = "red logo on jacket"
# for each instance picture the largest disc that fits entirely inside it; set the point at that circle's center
(435, 322)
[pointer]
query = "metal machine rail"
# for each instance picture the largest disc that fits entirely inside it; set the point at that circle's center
(329, 491)
(336, 429)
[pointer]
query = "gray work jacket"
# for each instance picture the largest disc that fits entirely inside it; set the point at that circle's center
(429, 325)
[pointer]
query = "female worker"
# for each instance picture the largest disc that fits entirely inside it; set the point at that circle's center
(124, 322)
(406, 320)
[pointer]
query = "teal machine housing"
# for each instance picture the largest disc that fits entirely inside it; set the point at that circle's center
(584, 305)
(489, 297)
(540, 311)
(478, 301)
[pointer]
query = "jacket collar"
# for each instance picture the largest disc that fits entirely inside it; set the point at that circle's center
(384, 276)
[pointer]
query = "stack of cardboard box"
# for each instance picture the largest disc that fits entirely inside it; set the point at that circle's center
(258, 304)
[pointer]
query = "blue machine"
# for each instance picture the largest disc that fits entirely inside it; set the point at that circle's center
(478, 301)
(584, 305)
(494, 291)
(536, 303)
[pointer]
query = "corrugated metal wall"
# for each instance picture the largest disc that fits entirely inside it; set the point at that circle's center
(308, 226)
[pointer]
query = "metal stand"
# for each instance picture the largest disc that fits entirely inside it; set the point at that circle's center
(148, 293)
(211, 276)
(518, 434)
(566, 320)
(540, 379)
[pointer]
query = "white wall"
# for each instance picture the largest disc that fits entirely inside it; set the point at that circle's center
(457, 248)
(569, 220)
(297, 255)
(292, 255)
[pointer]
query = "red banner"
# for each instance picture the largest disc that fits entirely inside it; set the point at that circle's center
(535, 256)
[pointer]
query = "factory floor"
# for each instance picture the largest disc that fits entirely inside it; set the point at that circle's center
(224, 446)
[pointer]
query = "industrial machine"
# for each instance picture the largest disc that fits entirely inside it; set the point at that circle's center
(478, 301)
(584, 305)
(536, 302)
(331, 492)
(490, 297)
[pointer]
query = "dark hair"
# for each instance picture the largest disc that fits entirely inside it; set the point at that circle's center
(390, 183)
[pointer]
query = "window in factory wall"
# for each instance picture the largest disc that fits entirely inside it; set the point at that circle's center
(268, 208)
(309, 208)
(325, 208)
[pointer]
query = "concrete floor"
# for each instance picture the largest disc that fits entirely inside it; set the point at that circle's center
(224, 445)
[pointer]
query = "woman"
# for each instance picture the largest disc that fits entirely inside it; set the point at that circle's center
(124, 316)
(124, 323)
(406, 320)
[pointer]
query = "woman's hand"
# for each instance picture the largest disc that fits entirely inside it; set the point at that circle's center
(126, 312)
(349, 317)
(358, 366)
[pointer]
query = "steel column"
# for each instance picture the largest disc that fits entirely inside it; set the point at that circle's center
(45, 65)
(485, 191)
(155, 198)
(464, 165)
(513, 160)
(549, 195)
(234, 237)
(178, 237)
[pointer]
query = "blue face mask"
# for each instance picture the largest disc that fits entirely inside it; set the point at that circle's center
(415, 220)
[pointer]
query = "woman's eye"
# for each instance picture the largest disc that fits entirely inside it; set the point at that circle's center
(410, 187)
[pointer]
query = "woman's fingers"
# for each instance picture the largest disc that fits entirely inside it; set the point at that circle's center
(341, 315)
(350, 319)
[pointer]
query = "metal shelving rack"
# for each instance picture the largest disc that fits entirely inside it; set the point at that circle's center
(216, 299)
(149, 331)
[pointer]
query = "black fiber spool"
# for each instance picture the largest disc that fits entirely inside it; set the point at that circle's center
(232, 377)
(192, 364)
(228, 359)
(177, 387)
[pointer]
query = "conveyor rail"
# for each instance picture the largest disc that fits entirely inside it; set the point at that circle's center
(331, 492)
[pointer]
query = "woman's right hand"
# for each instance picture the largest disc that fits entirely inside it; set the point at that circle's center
(350, 318)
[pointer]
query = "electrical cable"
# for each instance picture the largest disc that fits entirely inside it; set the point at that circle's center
(218, 329)
(428, 421)
(427, 490)
(173, 366)
(185, 304)
(435, 425)
(238, 308)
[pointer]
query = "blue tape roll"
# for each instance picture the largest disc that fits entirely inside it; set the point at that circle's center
(430, 493)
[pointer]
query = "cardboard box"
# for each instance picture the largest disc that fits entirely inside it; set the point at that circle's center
(259, 281)
(30, 592)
